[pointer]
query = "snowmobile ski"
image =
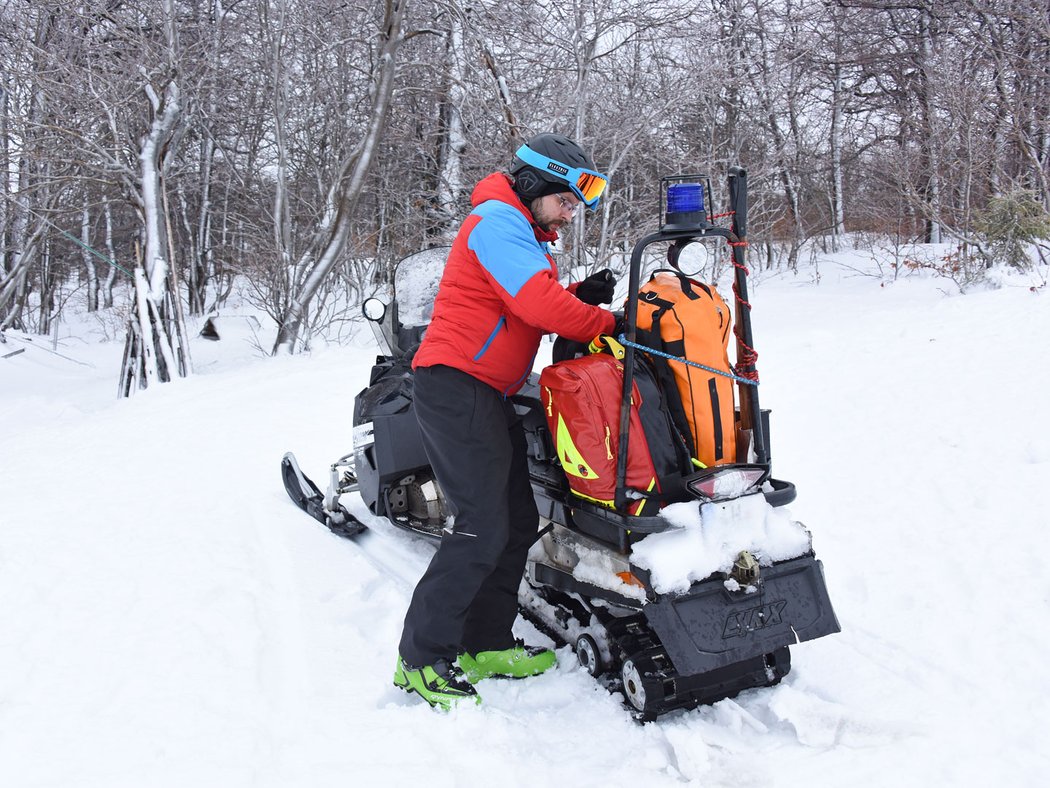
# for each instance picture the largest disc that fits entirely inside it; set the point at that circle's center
(308, 497)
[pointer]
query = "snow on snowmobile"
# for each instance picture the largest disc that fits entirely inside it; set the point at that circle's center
(594, 578)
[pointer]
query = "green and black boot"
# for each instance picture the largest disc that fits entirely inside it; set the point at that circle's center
(441, 685)
(516, 662)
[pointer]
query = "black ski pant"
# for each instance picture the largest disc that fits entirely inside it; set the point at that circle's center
(467, 599)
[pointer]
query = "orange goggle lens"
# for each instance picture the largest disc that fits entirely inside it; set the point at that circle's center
(590, 186)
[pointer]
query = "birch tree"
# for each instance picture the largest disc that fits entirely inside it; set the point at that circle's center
(88, 260)
(930, 124)
(345, 190)
(450, 184)
(158, 335)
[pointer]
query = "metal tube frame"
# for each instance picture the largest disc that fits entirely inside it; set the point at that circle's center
(749, 405)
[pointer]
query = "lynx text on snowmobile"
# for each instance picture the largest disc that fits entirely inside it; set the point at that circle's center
(711, 626)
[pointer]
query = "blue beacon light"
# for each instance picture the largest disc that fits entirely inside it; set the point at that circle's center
(685, 198)
(685, 205)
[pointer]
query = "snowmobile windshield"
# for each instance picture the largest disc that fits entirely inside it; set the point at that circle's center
(416, 284)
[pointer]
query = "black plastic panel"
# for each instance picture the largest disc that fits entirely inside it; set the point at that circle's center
(710, 627)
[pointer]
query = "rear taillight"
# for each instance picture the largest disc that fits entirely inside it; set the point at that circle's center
(726, 481)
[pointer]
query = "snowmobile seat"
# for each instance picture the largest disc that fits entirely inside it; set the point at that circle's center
(611, 526)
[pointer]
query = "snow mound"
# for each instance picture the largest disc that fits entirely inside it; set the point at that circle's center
(599, 569)
(708, 539)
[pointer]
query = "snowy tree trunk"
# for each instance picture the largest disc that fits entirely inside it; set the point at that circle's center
(201, 265)
(111, 275)
(347, 187)
(838, 219)
(282, 219)
(89, 260)
(6, 145)
(932, 145)
(200, 253)
(166, 115)
(13, 282)
(450, 181)
(147, 353)
(26, 240)
(510, 117)
(162, 309)
(48, 282)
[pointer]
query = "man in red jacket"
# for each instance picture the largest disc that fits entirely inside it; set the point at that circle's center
(498, 296)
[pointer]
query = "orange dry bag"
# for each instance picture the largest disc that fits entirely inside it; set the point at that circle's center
(687, 319)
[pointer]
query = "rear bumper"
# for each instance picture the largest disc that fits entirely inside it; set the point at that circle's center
(710, 627)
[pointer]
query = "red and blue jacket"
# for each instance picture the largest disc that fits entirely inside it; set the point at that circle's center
(500, 294)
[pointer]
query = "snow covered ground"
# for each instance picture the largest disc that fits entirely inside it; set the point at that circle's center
(168, 618)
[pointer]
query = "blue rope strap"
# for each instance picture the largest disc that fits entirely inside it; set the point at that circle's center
(623, 341)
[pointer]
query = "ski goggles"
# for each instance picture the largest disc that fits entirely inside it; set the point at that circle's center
(588, 185)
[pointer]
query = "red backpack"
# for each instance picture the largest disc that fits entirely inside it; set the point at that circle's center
(581, 398)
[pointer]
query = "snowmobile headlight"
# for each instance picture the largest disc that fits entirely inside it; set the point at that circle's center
(725, 482)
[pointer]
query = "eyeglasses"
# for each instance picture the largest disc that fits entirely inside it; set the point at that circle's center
(588, 185)
(568, 205)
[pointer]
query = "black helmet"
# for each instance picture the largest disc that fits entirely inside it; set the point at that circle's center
(551, 163)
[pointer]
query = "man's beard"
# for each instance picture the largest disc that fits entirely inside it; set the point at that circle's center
(549, 224)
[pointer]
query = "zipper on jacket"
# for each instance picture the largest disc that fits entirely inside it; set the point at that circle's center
(492, 336)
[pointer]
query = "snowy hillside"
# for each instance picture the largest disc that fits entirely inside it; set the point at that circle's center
(169, 618)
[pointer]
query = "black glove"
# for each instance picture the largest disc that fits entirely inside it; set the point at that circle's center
(597, 288)
(621, 325)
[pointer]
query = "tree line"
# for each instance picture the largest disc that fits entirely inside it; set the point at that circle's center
(304, 146)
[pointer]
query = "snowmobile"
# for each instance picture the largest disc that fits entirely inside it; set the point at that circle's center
(664, 650)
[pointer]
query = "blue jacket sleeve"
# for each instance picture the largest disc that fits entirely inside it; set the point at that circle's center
(508, 251)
